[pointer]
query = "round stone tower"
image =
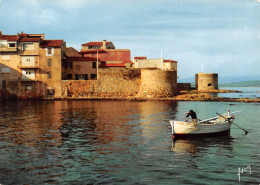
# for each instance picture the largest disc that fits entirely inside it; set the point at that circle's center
(158, 83)
(206, 81)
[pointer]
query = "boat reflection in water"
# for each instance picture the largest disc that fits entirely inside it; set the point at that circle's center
(201, 145)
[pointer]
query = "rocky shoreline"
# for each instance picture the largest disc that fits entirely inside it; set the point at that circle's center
(192, 95)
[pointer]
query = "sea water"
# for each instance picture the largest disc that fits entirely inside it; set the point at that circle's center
(123, 142)
(245, 92)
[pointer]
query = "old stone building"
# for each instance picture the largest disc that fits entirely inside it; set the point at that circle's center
(159, 63)
(80, 68)
(105, 51)
(206, 81)
(30, 66)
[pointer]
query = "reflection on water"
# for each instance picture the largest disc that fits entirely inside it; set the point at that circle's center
(200, 145)
(117, 142)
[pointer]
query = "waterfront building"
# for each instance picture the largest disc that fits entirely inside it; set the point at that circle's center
(159, 63)
(30, 66)
(80, 68)
(105, 51)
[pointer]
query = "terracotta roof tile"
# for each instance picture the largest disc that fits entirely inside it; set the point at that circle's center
(170, 61)
(95, 43)
(140, 58)
(72, 52)
(9, 37)
(24, 38)
(113, 65)
(89, 59)
(92, 51)
(51, 43)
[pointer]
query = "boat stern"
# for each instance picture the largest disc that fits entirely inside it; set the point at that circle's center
(172, 126)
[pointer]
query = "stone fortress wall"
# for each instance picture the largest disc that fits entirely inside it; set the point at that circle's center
(121, 82)
(158, 83)
(206, 81)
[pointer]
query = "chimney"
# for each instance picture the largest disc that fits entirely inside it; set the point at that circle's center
(104, 44)
(0, 32)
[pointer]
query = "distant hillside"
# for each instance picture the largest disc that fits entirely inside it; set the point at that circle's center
(242, 84)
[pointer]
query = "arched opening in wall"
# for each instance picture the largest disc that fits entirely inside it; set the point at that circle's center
(50, 91)
(209, 85)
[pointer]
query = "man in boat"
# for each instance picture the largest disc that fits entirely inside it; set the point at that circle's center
(193, 116)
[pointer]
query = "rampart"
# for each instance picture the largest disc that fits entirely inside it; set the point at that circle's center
(110, 83)
(158, 83)
(206, 81)
(118, 82)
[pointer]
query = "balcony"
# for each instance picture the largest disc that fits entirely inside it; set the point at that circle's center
(7, 49)
(28, 64)
(28, 79)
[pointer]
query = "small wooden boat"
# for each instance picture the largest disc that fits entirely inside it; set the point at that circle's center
(212, 126)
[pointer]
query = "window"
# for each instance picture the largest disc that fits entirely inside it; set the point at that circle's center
(209, 85)
(93, 76)
(11, 45)
(49, 62)
(69, 76)
(49, 74)
(94, 47)
(77, 67)
(49, 51)
(28, 61)
(5, 57)
(86, 76)
(28, 88)
(50, 91)
(69, 65)
(28, 73)
(81, 77)
(64, 64)
(94, 65)
(5, 70)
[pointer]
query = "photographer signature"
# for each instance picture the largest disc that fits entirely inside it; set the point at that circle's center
(242, 170)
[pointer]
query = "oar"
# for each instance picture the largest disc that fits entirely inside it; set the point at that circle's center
(246, 132)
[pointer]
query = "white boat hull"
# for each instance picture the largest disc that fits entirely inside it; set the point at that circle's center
(212, 126)
(186, 128)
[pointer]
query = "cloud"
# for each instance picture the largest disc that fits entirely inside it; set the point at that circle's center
(69, 4)
(33, 3)
(46, 16)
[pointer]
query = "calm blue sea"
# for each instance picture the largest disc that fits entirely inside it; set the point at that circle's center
(246, 92)
(123, 142)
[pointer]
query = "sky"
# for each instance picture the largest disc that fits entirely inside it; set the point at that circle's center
(210, 36)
